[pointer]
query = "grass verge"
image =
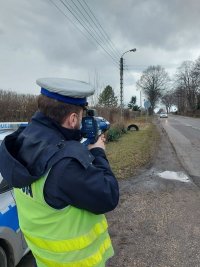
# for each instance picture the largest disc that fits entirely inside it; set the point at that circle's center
(133, 150)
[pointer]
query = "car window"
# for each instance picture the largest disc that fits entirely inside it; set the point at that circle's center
(6, 129)
(4, 186)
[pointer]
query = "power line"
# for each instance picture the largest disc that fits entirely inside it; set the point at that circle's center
(100, 28)
(146, 66)
(71, 21)
(94, 39)
(72, 11)
(86, 18)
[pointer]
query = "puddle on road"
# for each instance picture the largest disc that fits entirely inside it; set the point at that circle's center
(179, 176)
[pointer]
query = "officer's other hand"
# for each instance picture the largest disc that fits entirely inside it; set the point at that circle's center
(100, 143)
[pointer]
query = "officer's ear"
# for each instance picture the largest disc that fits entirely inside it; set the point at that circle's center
(73, 120)
(70, 121)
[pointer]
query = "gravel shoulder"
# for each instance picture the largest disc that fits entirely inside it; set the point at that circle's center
(156, 223)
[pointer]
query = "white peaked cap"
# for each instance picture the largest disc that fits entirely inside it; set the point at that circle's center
(66, 90)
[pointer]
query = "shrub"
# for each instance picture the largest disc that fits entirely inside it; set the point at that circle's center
(115, 132)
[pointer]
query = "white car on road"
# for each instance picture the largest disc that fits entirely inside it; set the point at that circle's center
(163, 115)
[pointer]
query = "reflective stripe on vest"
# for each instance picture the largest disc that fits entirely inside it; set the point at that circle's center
(70, 244)
(66, 237)
(94, 260)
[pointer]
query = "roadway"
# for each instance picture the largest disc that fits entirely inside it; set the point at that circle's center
(184, 134)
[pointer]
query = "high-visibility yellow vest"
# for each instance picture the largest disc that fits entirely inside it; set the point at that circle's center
(69, 237)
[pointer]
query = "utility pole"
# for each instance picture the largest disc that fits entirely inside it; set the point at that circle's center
(121, 84)
(121, 80)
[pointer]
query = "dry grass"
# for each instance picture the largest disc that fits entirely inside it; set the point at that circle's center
(132, 150)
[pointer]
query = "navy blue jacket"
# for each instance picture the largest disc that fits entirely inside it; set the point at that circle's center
(77, 176)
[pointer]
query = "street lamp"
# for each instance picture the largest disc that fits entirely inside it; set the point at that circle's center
(121, 77)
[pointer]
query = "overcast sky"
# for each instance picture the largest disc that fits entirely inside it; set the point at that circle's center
(37, 40)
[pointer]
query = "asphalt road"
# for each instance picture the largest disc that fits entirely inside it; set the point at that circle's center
(156, 223)
(184, 133)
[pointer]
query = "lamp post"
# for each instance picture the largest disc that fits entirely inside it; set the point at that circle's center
(121, 78)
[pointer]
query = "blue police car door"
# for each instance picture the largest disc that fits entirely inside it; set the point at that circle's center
(10, 232)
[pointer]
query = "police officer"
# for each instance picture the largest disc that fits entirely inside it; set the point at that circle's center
(62, 188)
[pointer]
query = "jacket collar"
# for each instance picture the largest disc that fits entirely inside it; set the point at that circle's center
(67, 134)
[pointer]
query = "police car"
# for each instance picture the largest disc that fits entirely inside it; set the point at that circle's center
(12, 244)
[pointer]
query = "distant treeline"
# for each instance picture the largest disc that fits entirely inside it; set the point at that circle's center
(16, 107)
(21, 107)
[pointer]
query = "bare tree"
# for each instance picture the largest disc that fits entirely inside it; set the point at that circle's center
(93, 100)
(196, 77)
(153, 82)
(16, 107)
(186, 82)
(168, 100)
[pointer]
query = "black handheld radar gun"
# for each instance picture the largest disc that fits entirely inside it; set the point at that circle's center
(93, 127)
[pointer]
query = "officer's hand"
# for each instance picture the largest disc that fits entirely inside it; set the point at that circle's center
(100, 143)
